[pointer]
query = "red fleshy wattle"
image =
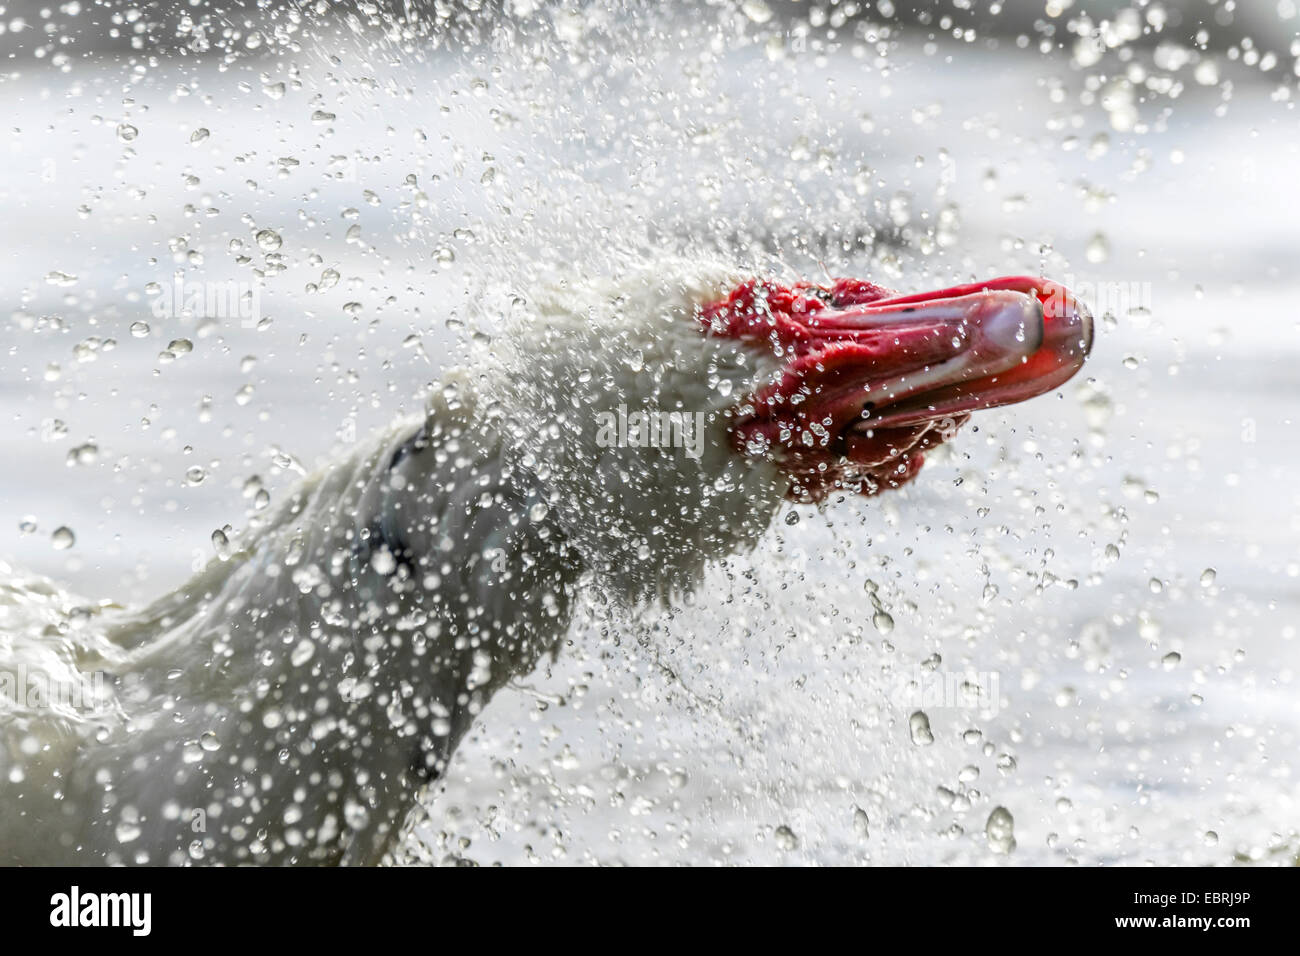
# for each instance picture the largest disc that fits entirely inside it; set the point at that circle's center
(786, 316)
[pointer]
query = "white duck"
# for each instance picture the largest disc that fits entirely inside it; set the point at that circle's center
(290, 703)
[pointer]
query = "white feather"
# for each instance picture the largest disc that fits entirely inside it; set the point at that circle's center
(289, 704)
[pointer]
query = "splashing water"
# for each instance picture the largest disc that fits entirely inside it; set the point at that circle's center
(215, 285)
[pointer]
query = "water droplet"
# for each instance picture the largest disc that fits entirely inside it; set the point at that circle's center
(861, 825)
(883, 621)
(221, 544)
(786, 839)
(919, 725)
(84, 454)
(383, 561)
(1098, 248)
(1000, 830)
(63, 538)
(268, 240)
(302, 652)
(126, 132)
(1207, 577)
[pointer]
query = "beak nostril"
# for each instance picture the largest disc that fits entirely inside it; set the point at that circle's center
(1011, 322)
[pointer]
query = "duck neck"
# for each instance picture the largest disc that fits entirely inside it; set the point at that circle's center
(334, 662)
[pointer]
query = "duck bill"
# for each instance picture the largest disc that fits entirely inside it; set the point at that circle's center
(965, 348)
